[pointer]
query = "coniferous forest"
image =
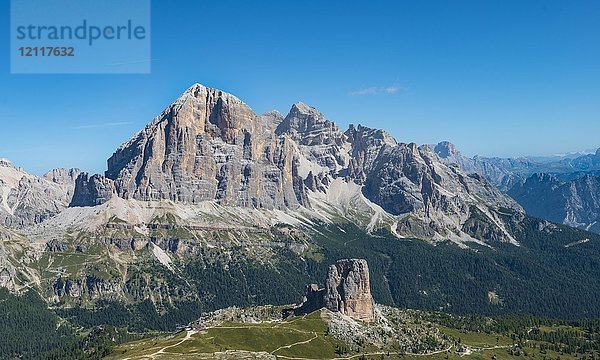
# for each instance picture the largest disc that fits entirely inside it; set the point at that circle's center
(405, 274)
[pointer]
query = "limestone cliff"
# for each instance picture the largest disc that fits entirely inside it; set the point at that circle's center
(209, 145)
(26, 199)
(92, 190)
(347, 291)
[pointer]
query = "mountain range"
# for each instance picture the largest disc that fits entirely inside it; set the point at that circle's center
(561, 189)
(208, 146)
(211, 205)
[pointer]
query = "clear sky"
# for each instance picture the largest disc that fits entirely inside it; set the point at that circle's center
(503, 78)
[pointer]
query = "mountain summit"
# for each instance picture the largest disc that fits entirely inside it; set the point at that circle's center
(208, 145)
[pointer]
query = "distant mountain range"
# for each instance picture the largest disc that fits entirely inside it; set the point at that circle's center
(573, 202)
(506, 172)
(561, 189)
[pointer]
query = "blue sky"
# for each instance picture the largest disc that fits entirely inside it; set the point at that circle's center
(504, 78)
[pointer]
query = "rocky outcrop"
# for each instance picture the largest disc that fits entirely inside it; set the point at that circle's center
(89, 287)
(318, 182)
(7, 269)
(92, 190)
(55, 245)
(314, 299)
(126, 244)
(347, 291)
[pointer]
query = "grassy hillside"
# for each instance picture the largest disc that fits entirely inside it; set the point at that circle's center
(312, 337)
(297, 337)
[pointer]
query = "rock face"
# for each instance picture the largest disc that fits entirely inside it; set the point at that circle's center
(347, 291)
(410, 179)
(26, 199)
(64, 177)
(367, 144)
(89, 286)
(7, 270)
(92, 190)
(574, 202)
(209, 145)
(320, 141)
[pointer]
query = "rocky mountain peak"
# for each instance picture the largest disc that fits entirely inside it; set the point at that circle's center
(223, 112)
(27, 199)
(198, 91)
(62, 176)
(367, 144)
(363, 135)
(271, 120)
(320, 141)
(446, 149)
(347, 290)
(6, 163)
(275, 115)
(306, 125)
(208, 145)
(303, 108)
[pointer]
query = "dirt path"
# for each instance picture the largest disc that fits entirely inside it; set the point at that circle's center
(296, 343)
(162, 351)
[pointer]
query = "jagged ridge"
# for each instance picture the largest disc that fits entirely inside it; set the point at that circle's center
(210, 146)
